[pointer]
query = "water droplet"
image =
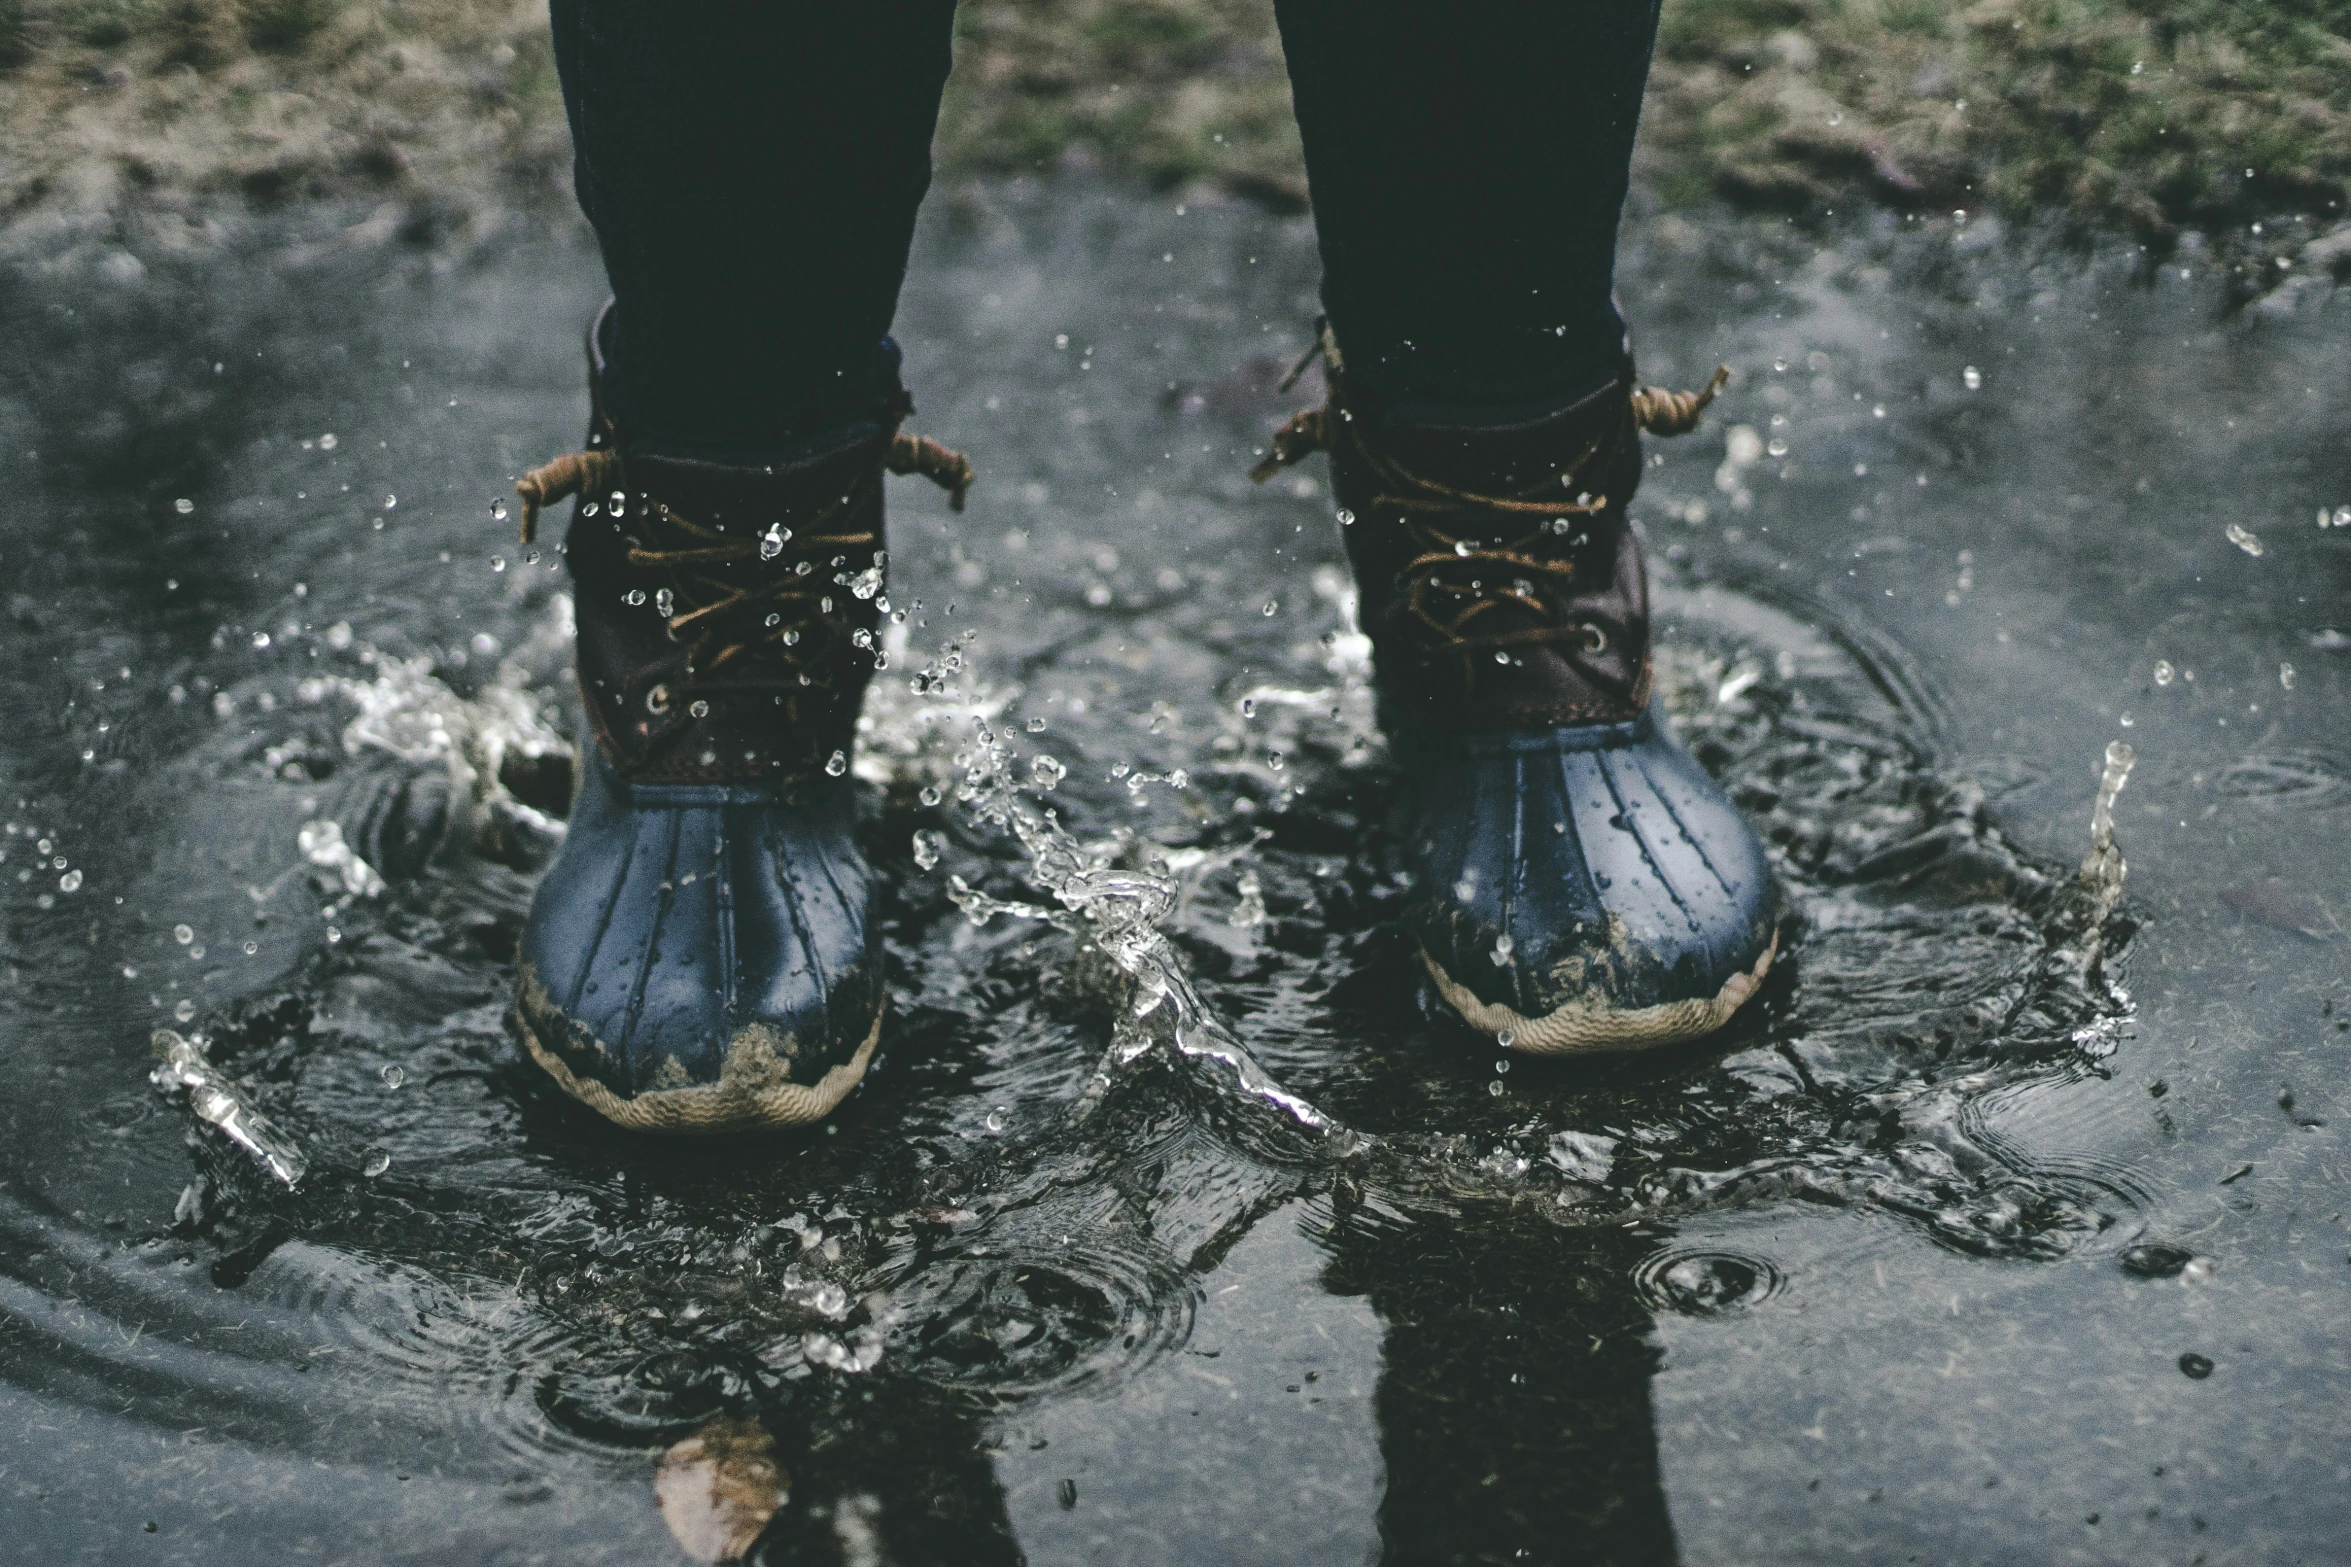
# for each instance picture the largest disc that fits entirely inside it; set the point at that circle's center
(252, 948)
(633, 597)
(196, 952)
(378, 1161)
(1346, 518)
(1501, 1067)
(619, 502)
(928, 846)
(2164, 673)
(774, 619)
(2196, 1367)
(71, 881)
(530, 557)
(182, 934)
(326, 442)
(928, 795)
(394, 1076)
(792, 637)
(1503, 947)
(835, 765)
(1778, 447)
(861, 637)
(1273, 759)
(183, 505)
(698, 708)
(657, 700)
(1248, 707)
(1506, 1038)
(1501, 657)
(261, 639)
(1972, 378)
(1036, 726)
(1046, 772)
(1495, 1088)
(994, 1122)
(1273, 606)
(498, 511)
(2285, 678)
(771, 543)
(497, 563)
(2249, 542)
(184, 1012)
(664, 602)
(391, 501)
(1461, 546)
(589, 509)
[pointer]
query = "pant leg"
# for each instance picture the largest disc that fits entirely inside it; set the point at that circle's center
(752, 172)
(1468, 165)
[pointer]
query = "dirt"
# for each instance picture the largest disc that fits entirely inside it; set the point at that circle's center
(141, 124)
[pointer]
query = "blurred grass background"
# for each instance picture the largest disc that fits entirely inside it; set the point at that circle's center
(2088, 118)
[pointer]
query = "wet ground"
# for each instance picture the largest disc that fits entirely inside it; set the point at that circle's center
(1172, 1227)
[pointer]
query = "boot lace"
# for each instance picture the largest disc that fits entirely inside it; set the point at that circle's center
(1478, 557)
(787, 615)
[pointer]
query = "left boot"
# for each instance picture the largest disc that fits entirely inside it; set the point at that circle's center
(1580, 884)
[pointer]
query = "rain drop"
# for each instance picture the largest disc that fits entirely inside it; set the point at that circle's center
(835, 765)
(1495, 1088)
(2285, 678)
(1972, 378)
(394, 1076)
(2164, 673)
(1346, 518)
(1506, 1038)
(633, 597)
(183, 505)
(2245, 540)
(771, 543)
(326, 442)
(497, 563)
(184, 1012)
(698, 708)
(929, 795)
(377, 1163)
(182, 934)
(497, 511)
(1036, 726)
(928, 846)
(1272, 606)
(71, 881)
(664, 602)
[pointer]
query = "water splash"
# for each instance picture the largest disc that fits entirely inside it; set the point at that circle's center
(182, 1067)
(1116, 913)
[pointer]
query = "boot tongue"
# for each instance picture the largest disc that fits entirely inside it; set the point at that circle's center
(1505, 451)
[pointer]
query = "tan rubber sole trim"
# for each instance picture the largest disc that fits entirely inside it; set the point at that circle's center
(746, 1098)
(1582, 1028)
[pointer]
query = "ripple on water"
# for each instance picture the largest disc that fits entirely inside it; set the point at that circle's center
(1706, 1282)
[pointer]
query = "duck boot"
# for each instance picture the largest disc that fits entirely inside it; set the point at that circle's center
(701, 955)
(1580, 884)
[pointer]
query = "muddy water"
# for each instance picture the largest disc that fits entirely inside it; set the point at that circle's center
(1173, 1225)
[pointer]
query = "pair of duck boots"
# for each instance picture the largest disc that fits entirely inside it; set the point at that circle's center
(701, 956)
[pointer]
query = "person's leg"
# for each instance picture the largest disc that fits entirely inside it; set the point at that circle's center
(752, 172)
(701, 955)
(1580, 884)
(1468, 164)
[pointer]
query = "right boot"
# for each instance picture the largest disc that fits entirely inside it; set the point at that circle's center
(701, 957)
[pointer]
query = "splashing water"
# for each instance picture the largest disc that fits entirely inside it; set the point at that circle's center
(182, 1068)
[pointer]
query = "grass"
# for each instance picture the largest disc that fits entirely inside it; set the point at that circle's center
(2105, 117)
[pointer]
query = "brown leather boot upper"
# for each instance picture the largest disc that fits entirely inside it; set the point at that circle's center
(730, 617)
(1501, 583)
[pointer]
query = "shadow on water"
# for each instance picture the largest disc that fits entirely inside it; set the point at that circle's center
(310, 816)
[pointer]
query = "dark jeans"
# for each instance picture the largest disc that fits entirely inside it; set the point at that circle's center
(753, 170)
